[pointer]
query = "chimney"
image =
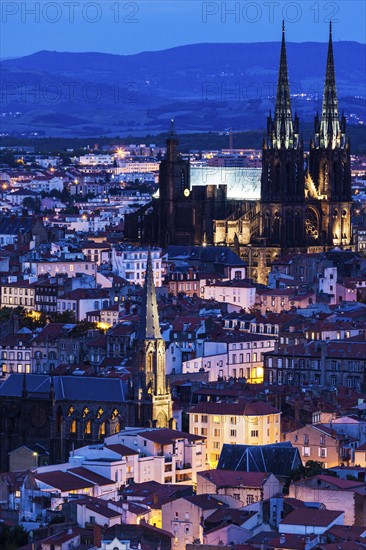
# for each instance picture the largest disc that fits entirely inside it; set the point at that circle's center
(282, 539)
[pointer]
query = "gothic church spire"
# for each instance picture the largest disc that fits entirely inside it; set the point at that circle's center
(149, 328)
(282, 133)
(329, 124)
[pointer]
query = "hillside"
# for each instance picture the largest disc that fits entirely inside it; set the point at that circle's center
(206, 87)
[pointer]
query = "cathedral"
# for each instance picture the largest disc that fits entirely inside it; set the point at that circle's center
(305, 203)
(66, 412)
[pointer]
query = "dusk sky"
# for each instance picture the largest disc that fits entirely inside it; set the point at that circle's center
(126, 27)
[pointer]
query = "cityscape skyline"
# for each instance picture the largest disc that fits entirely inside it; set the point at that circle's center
(183, 309)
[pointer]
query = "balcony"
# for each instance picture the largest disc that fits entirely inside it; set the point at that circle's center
(185, 466)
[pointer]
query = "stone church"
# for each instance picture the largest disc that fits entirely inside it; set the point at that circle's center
(305, 203)
(65, 412)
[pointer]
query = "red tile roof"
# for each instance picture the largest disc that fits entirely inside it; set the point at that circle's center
(63, 481)
(311, 517)
(121, 449)
(241, 408)
(87, 475)
(165, 436)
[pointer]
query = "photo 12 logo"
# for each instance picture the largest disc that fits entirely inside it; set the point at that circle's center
(53, 12)
(255, 12)
(54, 92)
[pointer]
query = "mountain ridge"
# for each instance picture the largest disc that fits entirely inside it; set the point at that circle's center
(206, 87)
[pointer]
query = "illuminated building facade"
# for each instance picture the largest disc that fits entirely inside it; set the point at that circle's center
(305, 201)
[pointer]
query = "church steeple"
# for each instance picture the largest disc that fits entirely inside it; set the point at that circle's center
(330, 163)
(282, 130)
(330, 130)
(150, 390)
(149, 328)
(172, 144)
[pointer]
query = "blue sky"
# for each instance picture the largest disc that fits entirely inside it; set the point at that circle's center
(126, 27)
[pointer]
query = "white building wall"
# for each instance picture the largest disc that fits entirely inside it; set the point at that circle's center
(131, 265)
(237, 296)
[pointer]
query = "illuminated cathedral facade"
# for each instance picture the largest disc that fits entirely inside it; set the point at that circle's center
(305, 203)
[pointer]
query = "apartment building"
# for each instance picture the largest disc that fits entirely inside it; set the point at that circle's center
(243, 422)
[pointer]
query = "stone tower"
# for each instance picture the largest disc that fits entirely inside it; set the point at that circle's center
(283, 178)
(175, 205)
(329, 164)
(150, 391)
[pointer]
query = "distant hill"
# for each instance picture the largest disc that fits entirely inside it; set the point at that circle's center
(205, 87)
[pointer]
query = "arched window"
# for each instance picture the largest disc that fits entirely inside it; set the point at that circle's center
(311, 225)
(70, 411)
(100, 412)
(73, 427)
(101, 430)
(87, 429)
(85, 412)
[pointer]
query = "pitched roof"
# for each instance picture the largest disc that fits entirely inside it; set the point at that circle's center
(242, 408)
(63, 481)
(311, 517)
(166, 436)
(280, 458)
(109, 390)
(325, 481)
(230, 478)
(206, 502)
(87, 475)
(121, 449)
(99, 506)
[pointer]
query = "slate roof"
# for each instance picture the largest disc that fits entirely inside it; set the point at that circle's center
(108, 390)
(280, 458)
(217, 254)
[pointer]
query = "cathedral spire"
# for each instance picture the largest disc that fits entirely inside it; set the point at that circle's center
(283, 127)
(329, 124)
(172, 132)
(149, 328)
(172, 143)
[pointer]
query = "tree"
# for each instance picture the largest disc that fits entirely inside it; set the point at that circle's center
(32, 204)
(311, 468)
(12, 538)
(67, 317)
